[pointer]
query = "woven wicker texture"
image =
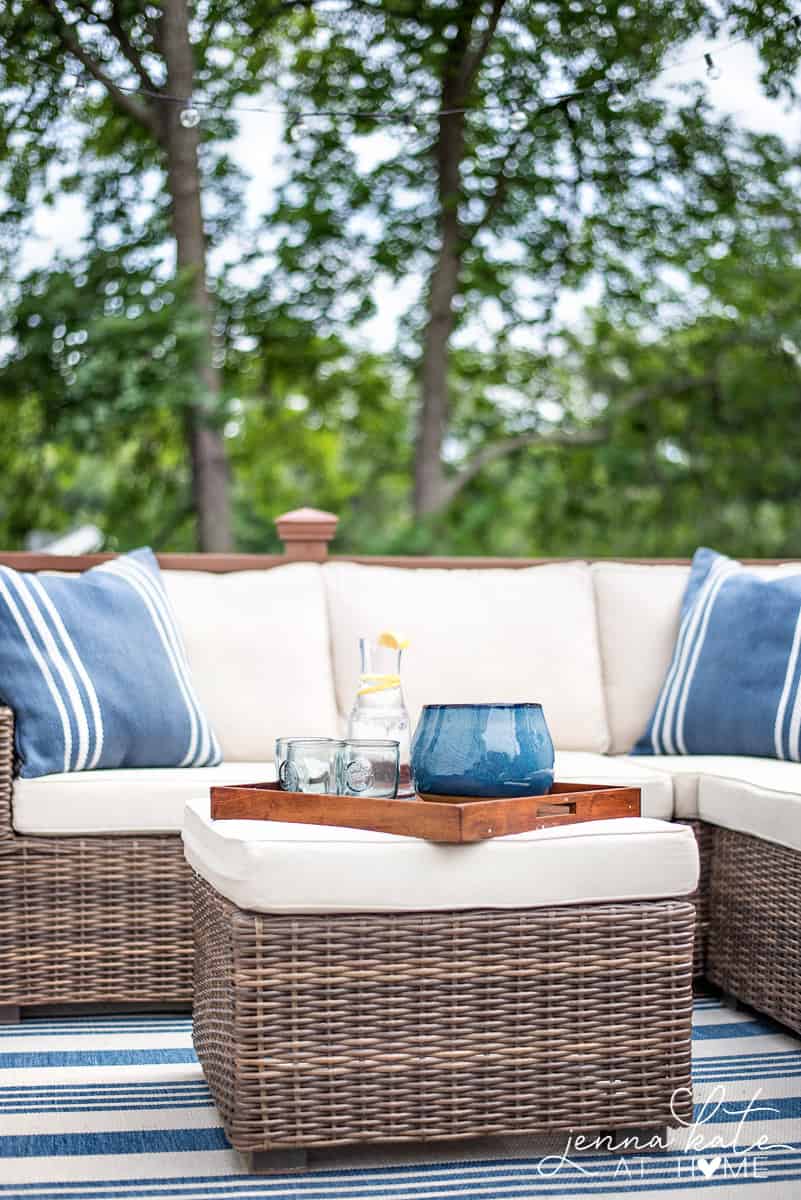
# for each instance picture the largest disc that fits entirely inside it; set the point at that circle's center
(318, 1030)
(754, 947)
(108, 918)
(704, 836)
(6, 777)
(90, 919)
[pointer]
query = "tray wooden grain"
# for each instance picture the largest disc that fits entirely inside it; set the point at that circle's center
(465, 821)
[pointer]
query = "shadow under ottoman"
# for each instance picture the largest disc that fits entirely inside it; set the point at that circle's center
(322, 1030)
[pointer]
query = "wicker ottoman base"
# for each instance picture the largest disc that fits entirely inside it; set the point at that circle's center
(326, 1030)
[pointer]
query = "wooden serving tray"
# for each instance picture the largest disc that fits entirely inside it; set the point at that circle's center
(436, 821)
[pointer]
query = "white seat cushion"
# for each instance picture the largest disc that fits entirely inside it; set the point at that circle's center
(638, 620)
(691, 772)
(506, 635)
(763, 801)
(656, 787)
(258, 646)
(144, 800)
(684, 771)
(271, 866)
(153, 800)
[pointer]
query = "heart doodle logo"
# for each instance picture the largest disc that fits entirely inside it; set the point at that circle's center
(708, 1166)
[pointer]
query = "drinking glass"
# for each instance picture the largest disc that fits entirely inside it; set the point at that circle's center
(370, 767)
(313, 765)
(281, 755)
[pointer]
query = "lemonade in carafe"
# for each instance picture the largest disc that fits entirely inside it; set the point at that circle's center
(379, 710)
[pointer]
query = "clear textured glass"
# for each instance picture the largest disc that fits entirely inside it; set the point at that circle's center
(281, 748)
(379, 711)
(281, 745)
(313, 765)
(370, 767)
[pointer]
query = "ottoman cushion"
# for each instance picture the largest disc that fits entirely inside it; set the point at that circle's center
(275, 867)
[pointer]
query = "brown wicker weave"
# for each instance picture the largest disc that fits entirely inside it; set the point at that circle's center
(754, 947)
(89, 919)
(105, 919)
(704, 836)
(326, 1030)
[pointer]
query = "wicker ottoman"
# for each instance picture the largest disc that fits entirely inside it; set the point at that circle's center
(354, 987)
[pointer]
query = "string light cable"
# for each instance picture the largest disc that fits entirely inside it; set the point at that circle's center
(194, 107)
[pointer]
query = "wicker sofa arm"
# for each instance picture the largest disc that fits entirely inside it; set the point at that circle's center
(6, 773)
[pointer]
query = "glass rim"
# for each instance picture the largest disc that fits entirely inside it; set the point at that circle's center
(314, 741)
(376, 743)
(490, 704)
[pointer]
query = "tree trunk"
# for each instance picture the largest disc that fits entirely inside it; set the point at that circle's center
(430, 481)
(461, 64)
(209, 465)
(432, 488)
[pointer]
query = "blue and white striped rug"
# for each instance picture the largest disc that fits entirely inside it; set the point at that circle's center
(116, 1106)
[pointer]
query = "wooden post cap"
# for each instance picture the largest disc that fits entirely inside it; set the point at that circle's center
(306, 533)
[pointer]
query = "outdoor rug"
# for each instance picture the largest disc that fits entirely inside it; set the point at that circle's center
(116, 1106)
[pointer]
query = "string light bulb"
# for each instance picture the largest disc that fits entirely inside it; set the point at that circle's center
(296, 127)
(713, 71)
(189, 117)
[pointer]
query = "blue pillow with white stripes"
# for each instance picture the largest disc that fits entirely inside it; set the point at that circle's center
(95, 671)
(734, 683)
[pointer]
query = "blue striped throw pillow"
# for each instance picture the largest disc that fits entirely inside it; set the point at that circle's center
(95, 671)
(734, 683)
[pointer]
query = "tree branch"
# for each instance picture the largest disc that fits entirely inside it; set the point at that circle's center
(475, 55)
(130, 105)
(503, 179)
(127, 47)
(502, 449)
(496, 198)
(113, 25)
(594, 435)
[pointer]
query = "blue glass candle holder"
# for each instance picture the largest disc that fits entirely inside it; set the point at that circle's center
(482, 750)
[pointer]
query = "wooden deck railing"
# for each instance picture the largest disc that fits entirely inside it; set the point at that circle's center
(306, 534)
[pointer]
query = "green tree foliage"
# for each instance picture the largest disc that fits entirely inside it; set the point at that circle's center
(554, 166)
(92, 96)
(665, 416)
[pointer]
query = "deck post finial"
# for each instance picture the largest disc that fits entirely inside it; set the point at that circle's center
(306, 533)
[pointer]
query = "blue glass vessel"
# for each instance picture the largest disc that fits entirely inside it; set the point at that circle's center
(482, 750)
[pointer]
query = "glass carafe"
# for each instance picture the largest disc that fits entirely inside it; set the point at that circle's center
(379, 710)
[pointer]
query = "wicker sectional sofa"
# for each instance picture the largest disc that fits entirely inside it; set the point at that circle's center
(94, 891)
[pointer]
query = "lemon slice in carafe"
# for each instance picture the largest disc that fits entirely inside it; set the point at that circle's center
(392, 641)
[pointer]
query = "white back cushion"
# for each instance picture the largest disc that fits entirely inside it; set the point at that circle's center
(639, 608)
(524, 634)
(259, 651)
(638, 620)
